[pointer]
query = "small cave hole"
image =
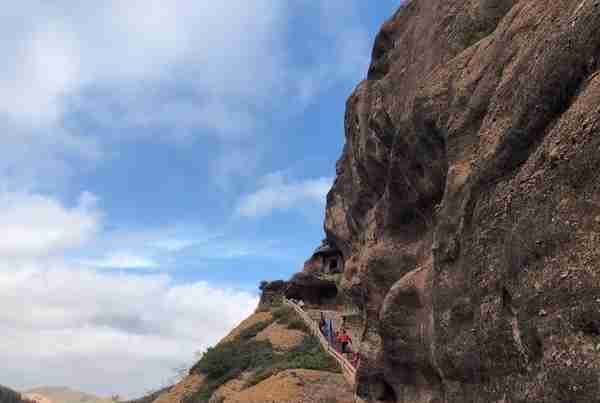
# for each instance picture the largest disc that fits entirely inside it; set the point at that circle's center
(377, 390)
(386, 393)
(507, 302)
(588, 321)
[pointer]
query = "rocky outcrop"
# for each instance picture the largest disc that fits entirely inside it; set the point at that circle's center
(326, 260)
(309, 286)
(467, 203)
(311, 289)
(271, 293)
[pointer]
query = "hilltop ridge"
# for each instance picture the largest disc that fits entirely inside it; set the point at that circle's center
(269, 357)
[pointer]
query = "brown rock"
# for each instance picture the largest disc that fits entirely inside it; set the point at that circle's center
(311, 289)
(447, 202)
(271, 293)
(181, 390)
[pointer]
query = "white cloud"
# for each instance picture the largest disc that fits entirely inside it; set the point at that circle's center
(278, 192)
(99, 331)
(173, 244)
(176, 69)
(33, 225)
(107, 332)
(148, 248)
(59, 49)
(162, 247)
(122, 260)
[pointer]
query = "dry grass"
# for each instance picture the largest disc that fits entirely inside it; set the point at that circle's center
(281, 337)
(246, 323)
(296, 386)
(230, 388)
(187, 386)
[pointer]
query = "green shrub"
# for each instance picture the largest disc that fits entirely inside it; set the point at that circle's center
(284, 314)
(310, 355)
(226, 361)
(307, 355)
(253, 330)
(298, 324)
(277, 301)
(261, 375)
(229, 359)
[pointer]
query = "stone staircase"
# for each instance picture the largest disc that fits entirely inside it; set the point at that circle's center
(348, 370)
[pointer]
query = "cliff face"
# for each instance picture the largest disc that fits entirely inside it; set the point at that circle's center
(467, 203)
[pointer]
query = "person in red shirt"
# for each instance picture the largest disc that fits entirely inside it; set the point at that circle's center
(344, 340)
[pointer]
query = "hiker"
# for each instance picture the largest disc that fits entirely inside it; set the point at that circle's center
(329, 332)
(323, 325)
(344, 340)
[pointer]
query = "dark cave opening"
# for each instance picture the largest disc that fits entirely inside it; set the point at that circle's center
(312, 290)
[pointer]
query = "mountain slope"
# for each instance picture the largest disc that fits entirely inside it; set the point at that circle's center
(62, 395)
(269, 357)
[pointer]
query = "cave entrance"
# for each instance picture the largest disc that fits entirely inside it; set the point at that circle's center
(382, 392)
(312, 290)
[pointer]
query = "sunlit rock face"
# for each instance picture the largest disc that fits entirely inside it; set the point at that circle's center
(467, 203)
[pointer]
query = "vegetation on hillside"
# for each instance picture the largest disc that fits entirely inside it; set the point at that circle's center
(229, 360)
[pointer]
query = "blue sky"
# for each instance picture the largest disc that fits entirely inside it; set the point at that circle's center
(159, 159)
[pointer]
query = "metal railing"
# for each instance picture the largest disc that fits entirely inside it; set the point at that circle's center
(348, 370)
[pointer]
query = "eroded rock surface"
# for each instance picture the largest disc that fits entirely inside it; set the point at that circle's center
(311, 289)
(467, 203)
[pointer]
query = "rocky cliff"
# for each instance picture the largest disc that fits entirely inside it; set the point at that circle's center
(467, 203)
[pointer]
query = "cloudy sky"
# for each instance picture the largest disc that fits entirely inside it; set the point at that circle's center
(157, 160)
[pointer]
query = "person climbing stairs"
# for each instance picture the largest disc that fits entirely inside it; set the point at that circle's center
(348, 369)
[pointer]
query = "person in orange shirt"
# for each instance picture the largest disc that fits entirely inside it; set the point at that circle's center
(344, 340)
